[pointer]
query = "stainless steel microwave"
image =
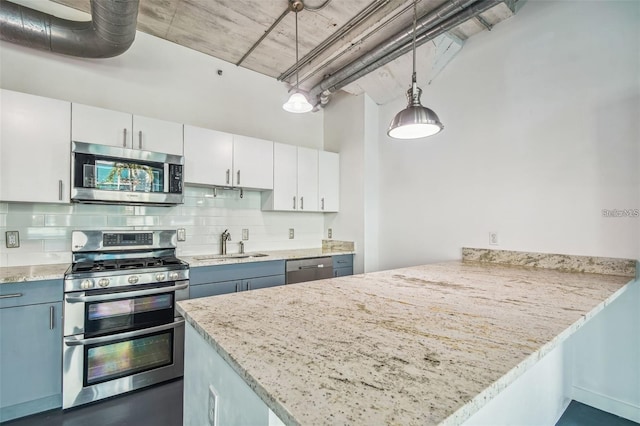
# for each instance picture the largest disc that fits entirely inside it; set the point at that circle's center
(110, 174)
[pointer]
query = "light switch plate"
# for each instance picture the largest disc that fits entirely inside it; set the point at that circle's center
(12, 239)
(245, 234)
(493, 238)
(291, 233)
(182, 234)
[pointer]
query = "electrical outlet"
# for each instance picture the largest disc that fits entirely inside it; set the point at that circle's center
(212, 408)
(245, 234)
(182, 234)
(291, 234)
(12, 239)
(330, 233)
(493, 238)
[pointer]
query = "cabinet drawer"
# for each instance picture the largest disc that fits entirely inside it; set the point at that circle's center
(238, 271)
(214, 289)
(30, 293)
(343, 261)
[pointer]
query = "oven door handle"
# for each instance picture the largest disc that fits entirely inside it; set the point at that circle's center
(125, 295)
(120, 336)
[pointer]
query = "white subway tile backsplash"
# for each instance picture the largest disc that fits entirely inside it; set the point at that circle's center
(45, 229)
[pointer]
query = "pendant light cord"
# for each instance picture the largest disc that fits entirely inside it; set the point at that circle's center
(415, 14)
(298, 69)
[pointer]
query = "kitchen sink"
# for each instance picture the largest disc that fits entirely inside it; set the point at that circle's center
(222, 257)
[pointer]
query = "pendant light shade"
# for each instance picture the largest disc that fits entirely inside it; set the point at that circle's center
(297, 102)
(415, 121)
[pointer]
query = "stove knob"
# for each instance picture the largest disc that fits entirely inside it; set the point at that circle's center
(86, 284)
(160, 277)
(132, 279)
(174, 276)
(103, 282)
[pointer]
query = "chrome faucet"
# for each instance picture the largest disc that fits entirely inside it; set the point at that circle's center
(226, 236)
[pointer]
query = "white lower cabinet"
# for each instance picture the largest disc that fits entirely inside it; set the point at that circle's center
(35, 148)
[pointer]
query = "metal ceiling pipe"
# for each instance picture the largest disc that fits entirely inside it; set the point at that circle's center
(468, 13)
(110, 32)
(424, 23)
(319, 49)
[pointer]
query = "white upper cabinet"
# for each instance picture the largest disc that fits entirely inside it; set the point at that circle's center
(107, 127)
(208, 156)
(35, 148)
(307, 179)
(151, 134)
(222, 159)
(252, 163)
(304, 179)
(101, 126)
(285, 179)
(328, 181)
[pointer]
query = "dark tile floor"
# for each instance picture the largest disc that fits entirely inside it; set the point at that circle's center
(578, 414)
(159, 405)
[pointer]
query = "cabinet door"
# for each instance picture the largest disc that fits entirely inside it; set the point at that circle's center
(252, 163)
(102, 126)
(307, 179)
(264, 282)
(342, 272)
(214, 289)
(285, 178)
(328, 181)
(31, 362)
(151, 134)
(208, 156)
(35, 148)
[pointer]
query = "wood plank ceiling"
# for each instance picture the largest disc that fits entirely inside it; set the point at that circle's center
(226, 29)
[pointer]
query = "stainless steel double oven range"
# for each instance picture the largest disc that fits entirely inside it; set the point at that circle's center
(121, 328)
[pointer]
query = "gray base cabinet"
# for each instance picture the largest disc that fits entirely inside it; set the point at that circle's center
(30, 348)
(214, 280)
(342, 265)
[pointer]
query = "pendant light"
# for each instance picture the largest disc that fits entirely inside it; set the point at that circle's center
(297, 102)
(415, 121)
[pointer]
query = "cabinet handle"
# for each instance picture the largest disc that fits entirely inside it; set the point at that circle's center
(237, 290)
(294, 202)
(9, 296)
(228, 175)
(322, 203)
(60, 190)
(301, 203)
(140, 139)
(238, 182)
(124, 138)
(335, 273)
(51, 317)
(248, 285)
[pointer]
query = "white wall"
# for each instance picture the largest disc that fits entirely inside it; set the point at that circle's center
(541, 134)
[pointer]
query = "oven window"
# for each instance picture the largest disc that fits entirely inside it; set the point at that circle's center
(98, 311)
(128, 314)
(123, 358)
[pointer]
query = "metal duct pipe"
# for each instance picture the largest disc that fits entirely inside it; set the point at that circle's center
(110, 32)
(432, 33)
(391, 44)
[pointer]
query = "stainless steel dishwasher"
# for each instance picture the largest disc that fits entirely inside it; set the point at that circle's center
(302, 270)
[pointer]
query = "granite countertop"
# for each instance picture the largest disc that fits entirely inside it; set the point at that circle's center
(422, 345)
(13, 274)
